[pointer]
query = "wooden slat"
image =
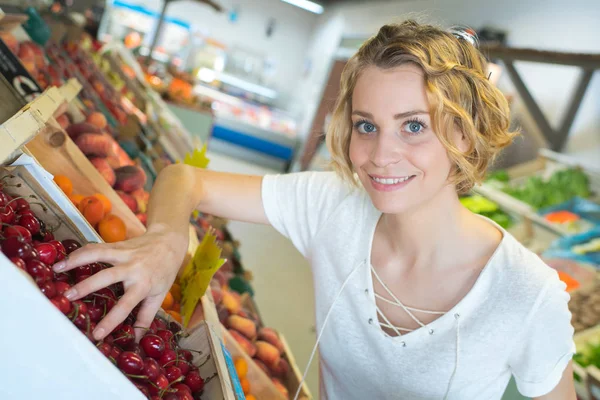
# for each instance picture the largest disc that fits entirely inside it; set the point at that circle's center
(542, 56)
(295, 376)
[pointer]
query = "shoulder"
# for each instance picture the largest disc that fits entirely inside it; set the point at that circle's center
(523, 280)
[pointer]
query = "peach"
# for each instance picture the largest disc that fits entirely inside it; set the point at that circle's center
(282, 369)
(223, 314)
(246, 345)
(63, 121)
(270, 336)
(231, 302)
(242, 325)
(217, 294)
(281, 387)
(97, 119)
(267, 353)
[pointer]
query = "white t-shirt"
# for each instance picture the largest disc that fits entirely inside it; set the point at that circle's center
(514, 321)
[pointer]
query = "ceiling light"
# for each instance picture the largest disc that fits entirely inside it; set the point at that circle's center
(307, 5)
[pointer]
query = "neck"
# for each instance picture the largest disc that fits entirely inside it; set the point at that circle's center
(429, 232)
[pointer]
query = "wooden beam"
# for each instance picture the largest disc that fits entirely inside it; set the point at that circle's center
(569, 117)
(507, 54)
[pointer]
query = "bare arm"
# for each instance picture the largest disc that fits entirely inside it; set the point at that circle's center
(565, 390)
(147, 265)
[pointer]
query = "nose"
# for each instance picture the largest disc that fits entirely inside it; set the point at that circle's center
(386, 150)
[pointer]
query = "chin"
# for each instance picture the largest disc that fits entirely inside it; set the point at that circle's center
(393, 203)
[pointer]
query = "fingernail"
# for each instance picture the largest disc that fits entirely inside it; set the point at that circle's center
(59, 266)
(98, 333)
(70, 294)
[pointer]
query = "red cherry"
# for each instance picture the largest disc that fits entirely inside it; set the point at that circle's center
(47, 253)
(48, 289)
(194, 381)
(95, 268)
(130, 363)
(115, 352)
(71, 245)
(18, 231)
(4, 198)
(18, 205)
(171, 396)
(124, 336)
(158, 323)
(173, 373)
(82, 307)
(19, 262)
(158, 384)
(183, 365)
(153, 346)
(62, 277)
(186, 354)
(16, 247)
(61, 287)
(151, 368)
(60, 249)
(29, 222)
(181, 387)
(39, 271)
(7, 215)
(27, 212)
(105, 348)
(168, 358)
(83, 270)
(62, 303)
(96, 312)
(166, 336)
(81, 320)
(48, 237)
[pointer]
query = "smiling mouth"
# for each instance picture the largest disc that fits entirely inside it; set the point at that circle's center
(390, 181)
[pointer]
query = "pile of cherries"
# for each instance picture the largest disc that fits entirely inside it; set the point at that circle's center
(156, 365)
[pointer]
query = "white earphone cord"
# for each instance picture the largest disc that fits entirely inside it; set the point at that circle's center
(314, 350)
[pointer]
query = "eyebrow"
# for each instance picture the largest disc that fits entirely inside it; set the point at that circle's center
(397, 116)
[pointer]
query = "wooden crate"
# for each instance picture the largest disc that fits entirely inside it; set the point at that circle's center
(261, 385)
(58, 154)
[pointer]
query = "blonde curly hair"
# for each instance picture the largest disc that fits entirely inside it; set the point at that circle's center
(458, 90)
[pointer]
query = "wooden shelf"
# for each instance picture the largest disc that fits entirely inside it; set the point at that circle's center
(29, 121)
(542, 56)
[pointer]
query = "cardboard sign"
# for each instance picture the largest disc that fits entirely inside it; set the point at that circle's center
(16, 74)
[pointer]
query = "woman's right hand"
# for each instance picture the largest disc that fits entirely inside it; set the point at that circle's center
(147, 266)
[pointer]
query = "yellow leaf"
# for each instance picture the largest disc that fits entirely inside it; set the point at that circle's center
(197, 158)
(197, 274)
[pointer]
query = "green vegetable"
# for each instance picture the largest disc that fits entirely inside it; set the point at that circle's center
(500, 176)
(482, 206)
(562, 186)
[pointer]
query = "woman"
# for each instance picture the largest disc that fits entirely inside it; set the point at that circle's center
(416, 297)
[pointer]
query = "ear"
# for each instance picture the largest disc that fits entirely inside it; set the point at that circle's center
(461, 141)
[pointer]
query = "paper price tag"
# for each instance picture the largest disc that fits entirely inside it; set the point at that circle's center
(197, 158)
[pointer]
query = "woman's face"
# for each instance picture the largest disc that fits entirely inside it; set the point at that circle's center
(393, 149)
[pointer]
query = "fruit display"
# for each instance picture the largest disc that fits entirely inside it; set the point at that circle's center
(158, 366)
(585, 306)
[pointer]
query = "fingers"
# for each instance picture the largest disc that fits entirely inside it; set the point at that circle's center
(100, 280)
(91, 253)
(146, 314)
(119, 312)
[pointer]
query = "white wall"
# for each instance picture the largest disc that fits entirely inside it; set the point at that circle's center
(562, 25)
(287, 46)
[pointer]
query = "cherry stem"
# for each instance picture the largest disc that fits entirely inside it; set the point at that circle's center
(178, 380)
(125, 336)
(210, 378)
(205, 361)
(194, 351)
(76, 311)
(136, 376)
(141, 327)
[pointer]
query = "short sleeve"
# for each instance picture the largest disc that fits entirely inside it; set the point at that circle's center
(298, 204)
(546, 346)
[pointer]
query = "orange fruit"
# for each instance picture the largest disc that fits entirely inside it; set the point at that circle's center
(241, 366)
(250, 397)
(176, 307)
(168, 302)
(76, 199)
(105, 202)
(64, 184)
(96, 119)
(176, 292)
(176, 316)
(245, 383)
(92, 209)
(112, 229)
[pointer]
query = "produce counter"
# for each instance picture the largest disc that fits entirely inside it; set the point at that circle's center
(198, 122)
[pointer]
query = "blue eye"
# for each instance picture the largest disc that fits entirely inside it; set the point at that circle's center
(364, 127)
(414, 127)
